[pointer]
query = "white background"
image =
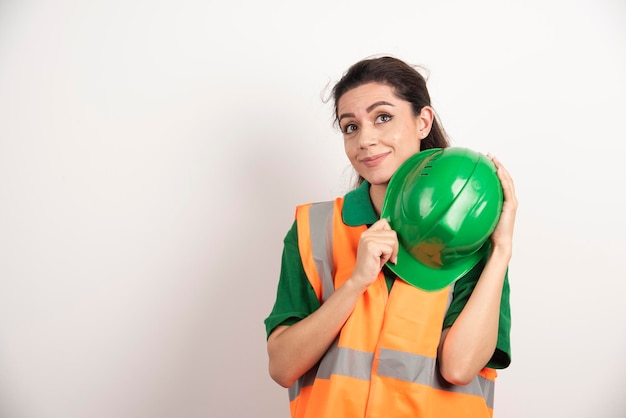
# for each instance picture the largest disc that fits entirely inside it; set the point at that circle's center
(152, 153)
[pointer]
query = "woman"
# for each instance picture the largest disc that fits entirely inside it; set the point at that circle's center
(330, 349)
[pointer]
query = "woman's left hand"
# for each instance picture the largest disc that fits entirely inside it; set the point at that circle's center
(502, 236)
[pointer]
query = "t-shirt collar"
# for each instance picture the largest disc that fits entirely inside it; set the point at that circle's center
(357, 207)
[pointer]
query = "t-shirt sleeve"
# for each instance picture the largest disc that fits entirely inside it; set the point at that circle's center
(295, 297)
(463, 288)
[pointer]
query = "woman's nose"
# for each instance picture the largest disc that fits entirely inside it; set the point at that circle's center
(368, 136)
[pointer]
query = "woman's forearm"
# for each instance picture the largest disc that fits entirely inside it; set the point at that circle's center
(294, 349)
(470, 342)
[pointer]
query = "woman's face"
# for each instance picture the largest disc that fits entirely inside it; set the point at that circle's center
(380, 130)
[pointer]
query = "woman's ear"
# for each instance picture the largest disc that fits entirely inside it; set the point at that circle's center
(424, 121)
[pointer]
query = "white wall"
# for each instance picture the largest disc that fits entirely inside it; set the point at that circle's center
(152, 152)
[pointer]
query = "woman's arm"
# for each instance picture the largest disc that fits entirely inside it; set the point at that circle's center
(467, 345)
(294, 349)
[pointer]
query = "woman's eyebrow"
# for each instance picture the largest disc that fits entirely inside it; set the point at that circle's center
(375, 105)
(369, 109)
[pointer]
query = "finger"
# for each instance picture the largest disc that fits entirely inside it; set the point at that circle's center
(503, 174)
(380, 225)
(508, 185)
(387, 254)
(394, 253)
(382, 243)
(387, 248)
(391, 242)
(376, 238)
(495, 160)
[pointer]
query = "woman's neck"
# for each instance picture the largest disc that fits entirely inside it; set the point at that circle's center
(377, 195)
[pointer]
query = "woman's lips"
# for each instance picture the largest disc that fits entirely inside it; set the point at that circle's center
(374, 160)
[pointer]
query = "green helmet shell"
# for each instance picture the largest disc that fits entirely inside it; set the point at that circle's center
(443, 203)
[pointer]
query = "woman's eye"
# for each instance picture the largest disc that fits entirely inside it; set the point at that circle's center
(385, 117)
(349, 128)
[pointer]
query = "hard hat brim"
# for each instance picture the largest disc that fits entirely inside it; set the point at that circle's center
(430, 279)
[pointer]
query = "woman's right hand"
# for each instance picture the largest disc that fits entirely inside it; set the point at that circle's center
(377, 245)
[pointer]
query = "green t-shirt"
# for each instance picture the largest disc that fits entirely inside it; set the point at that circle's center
(296, 299)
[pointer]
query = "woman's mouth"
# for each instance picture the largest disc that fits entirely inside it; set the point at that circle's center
(374, 160)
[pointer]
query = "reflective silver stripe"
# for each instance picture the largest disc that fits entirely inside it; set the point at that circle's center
(337, 361)
(321, 230)
(408, 367)
(423, 370)
(395, 364)
(346, 362)
(480, 386)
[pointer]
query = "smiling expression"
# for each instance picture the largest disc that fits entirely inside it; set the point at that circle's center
(380, 131)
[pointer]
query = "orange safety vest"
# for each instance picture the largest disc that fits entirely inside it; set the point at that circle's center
(384, 361)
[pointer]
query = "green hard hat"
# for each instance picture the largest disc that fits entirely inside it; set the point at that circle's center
(443, 203)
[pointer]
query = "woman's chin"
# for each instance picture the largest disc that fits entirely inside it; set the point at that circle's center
(378, 180)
